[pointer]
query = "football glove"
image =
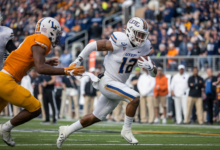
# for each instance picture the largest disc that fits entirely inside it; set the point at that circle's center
(146, 64)
(72, 70)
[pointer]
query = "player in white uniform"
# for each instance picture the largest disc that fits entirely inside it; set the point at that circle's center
(124, 49)
(6, 43)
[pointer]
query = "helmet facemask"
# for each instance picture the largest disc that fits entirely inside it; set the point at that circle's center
(140, 37)
(56, 40)
(137, 38)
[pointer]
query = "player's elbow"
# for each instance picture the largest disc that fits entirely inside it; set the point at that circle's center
(39, 69)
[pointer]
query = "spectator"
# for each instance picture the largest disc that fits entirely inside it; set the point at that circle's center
(179, 89)
(146, 88)
(196, 84)
(66, 58)
(47, 90)
(171, 53)
(168, 13)
(183, 47)
(149, 14)
(70, 92)
(210, 91)
(160, 94)
(89, 95)
(162, 50)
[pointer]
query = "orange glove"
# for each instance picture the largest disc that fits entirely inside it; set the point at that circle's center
(74, 71)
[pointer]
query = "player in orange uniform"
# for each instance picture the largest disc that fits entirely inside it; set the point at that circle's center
(31, 53)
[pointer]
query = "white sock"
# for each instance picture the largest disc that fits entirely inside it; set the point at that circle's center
(7, 126)
(74, 127)
(128, 121)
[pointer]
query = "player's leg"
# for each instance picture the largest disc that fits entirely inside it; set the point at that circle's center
(104, 107)
(3, 104)
(15, 94)
(119, 91)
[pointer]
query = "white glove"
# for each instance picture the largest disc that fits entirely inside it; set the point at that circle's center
(146, 64)
(77, 61)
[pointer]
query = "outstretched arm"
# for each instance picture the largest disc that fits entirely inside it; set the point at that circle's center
(43, 68)
(101, 45)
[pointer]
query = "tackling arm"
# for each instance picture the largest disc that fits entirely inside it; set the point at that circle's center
(43, 68)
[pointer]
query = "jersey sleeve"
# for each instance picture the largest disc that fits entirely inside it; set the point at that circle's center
(148, 48)
(43, 41)
(118, 40)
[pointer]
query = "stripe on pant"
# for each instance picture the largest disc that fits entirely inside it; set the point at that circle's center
(119, 92)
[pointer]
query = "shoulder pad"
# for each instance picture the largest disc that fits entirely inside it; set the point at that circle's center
(9, 34)
(43, 41)
(148, 47)
(119, 39)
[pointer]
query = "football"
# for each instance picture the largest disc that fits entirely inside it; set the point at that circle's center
(145, 57)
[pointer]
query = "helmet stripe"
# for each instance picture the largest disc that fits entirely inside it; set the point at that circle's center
(144, 23)
(40, 23)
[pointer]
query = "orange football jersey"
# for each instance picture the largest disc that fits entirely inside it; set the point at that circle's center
(21, 60)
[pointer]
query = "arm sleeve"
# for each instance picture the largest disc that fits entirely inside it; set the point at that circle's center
(190, 81)
(88, 49)
(10, 46)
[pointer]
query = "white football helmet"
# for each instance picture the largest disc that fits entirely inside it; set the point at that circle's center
(51, 28)
(137, 31)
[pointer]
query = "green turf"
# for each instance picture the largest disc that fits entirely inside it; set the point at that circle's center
(89, 140)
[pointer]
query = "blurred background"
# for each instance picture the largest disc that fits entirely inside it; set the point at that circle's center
(182, 32)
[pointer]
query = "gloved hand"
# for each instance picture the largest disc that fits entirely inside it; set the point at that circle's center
(72, 70)
(146, 64)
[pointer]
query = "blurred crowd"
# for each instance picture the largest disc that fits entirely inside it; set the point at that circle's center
(73, 15)
(181, 28)
(185, 98)
(177, 27)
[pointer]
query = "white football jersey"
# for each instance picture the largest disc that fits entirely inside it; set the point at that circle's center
(6, 34)
(120, 62)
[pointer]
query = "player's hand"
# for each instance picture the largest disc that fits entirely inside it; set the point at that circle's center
(72, 70)
(52, 61)
(77, 61)
(146, 64)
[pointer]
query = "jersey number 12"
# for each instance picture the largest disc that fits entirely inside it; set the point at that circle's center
(129, 68)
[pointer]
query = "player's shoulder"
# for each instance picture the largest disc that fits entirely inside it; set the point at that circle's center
(6, 31)
(148, 44)
(119, 39)
(41, 40)
(146, 48)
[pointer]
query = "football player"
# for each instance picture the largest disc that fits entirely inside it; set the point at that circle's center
(31, 53)
(6, 36)
(124, 49)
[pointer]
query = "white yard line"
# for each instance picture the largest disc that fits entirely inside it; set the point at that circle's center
(117, 145)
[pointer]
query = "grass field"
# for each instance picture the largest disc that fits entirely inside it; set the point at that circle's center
(106, 136)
